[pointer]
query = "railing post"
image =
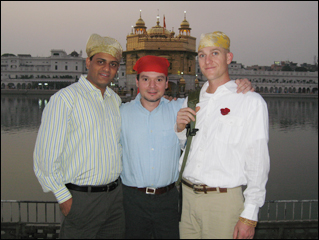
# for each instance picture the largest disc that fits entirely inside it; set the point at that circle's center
(54, 212)
(36, 212)
(11, 210)
(19, 204)
(285, 211)
(46, 212)
(28, 212)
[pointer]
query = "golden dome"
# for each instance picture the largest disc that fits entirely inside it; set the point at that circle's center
(157, 30)
(185, 24)
(140, 23)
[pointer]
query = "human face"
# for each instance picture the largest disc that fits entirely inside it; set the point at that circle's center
(101, 70)
(213, 62)
(152, 86)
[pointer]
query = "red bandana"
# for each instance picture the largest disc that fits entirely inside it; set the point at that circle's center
(151, 63)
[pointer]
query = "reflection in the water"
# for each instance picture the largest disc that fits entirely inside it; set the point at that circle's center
(24, 112)
(289, 113)
(21, 112)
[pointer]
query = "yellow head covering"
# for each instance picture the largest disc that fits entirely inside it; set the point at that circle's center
(215, 39)
(97, 44)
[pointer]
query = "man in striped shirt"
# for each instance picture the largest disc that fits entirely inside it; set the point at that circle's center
(78, 154)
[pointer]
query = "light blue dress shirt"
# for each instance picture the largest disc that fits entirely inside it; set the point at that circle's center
(151, 148)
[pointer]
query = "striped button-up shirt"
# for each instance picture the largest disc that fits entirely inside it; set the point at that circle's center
(79, 139)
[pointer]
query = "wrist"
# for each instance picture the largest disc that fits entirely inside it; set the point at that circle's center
(248, 222)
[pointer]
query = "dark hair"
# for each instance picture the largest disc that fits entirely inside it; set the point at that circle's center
(92, 57)
(138, 77)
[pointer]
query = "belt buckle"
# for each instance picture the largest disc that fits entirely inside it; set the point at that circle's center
(194, 190)
(150, 188)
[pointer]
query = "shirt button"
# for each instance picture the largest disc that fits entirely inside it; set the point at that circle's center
(152, 149)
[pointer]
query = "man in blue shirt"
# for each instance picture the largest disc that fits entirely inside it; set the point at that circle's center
(151, 153)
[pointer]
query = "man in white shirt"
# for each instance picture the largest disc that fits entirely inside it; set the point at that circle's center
(229, 150)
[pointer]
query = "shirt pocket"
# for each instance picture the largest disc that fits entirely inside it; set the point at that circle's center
(229, 129)
(170, 139)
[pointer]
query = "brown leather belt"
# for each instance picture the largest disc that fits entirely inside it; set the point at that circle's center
(203, 188)
(150, 190)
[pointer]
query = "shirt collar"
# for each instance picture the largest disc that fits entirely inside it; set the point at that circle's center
(230, 86)
(89, 87)
(138, 101)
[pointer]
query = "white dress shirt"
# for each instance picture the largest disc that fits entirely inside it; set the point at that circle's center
(230, 150)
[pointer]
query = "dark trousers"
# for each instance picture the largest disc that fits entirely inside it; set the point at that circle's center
(151, 216)
(94, 215)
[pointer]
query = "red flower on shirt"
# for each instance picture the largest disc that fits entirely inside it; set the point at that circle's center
(224, 111)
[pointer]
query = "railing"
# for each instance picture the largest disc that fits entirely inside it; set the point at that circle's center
(30, 211)
(49, 212)
(289, 210)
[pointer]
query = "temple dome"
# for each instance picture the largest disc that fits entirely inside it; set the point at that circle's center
(158, 30)
(140, 23)
(185, 24)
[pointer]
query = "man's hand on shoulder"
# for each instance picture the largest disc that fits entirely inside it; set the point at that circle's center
(244, 85)
(170, 98)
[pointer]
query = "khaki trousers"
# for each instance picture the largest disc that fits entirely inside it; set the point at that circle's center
(212, 215)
